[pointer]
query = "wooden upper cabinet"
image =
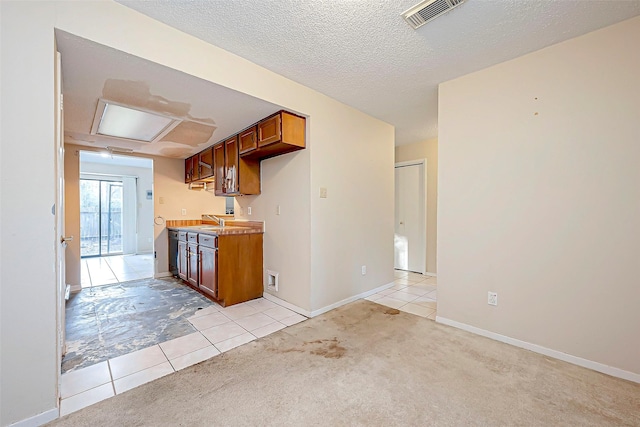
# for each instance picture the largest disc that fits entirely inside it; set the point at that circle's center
(231, 165)
(219, 168)
(190, 173)
(269, 131)
(205, 163)
(247, 140)
(279, 134)
(235, 162)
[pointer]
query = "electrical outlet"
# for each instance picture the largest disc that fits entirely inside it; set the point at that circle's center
(493, 298)
(184, 212)
(249, 210)
(278, 210)
(323, 193)
(364, 270)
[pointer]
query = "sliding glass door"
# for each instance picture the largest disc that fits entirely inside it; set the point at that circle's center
(100, 217)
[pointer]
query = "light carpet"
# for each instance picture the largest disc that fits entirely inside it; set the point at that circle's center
(367, 364)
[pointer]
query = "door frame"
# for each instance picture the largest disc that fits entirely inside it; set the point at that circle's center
(423, 199)
(103, 178)
(60, 238)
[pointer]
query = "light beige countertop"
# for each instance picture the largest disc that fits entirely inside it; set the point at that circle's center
(207, 227)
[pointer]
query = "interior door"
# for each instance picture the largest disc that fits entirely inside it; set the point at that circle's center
(410, 219)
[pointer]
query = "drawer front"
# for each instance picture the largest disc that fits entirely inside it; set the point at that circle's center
(192, 237)
(182, 235)
(173, 235)
(208, 241)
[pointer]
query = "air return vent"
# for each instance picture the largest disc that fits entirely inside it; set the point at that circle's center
(428, 10)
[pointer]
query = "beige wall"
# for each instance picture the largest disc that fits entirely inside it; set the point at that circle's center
(426, 150)
(168, 183)
(539, 197)
(28, 348)
(27, 191)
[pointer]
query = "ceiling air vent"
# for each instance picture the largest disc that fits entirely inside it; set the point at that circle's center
(428, 10)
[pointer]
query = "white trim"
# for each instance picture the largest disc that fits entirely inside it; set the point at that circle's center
(589, 364)
(76, 288)
(330, 307)
(39, 419)
(430, 274)
(411, 163)
(286, 304)
(322, 310)
(163, 274)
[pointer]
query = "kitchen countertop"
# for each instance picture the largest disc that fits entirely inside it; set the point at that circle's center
(216, 230)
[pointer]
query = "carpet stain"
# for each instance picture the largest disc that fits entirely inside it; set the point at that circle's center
(330, 349)
(392, 311)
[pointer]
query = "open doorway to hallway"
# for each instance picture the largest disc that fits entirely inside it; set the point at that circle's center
(116, 218)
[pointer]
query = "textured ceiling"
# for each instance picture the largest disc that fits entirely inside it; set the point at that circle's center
(362, 53)
(210, 112)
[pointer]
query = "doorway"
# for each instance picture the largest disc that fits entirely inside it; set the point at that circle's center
(410, 237)
(116, 218)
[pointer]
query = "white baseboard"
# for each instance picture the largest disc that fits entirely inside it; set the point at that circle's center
(589, 364)
(76, 288)
(39, 419)
(286, 304)
(163, 274)
(430, 274)
(330, 307)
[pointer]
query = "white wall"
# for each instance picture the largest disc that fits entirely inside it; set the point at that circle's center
(28, 359)
(539, 197)
(426, 150)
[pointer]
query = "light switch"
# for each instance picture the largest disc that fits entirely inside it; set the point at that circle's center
(278, 210)
(161, 200)
(184, 212)
(323, 192)
(249, 210)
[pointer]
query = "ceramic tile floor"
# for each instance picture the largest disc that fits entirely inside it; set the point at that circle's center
(218, 330)
(115, 269)
(412, 292)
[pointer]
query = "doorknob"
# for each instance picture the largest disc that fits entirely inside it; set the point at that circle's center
(401, 222)
(64, 239)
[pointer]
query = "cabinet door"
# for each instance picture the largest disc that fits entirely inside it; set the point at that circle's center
(188, 170)
(192, 270)
(231, 165)
(182, 260)
(208, 274)
(218, 166)
(269, 131)
(247, 141)
(205, 163)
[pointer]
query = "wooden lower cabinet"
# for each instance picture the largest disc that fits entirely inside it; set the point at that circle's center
(239, 268)
(227, 268)
(182, 259)
(192, 254)
(208, 272)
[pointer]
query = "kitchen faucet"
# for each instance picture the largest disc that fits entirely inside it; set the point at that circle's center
(219, 221)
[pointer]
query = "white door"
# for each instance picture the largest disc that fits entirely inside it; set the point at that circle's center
(58, 211)
(410, 219)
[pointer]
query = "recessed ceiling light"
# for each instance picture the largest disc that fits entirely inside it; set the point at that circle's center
(123, 122)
